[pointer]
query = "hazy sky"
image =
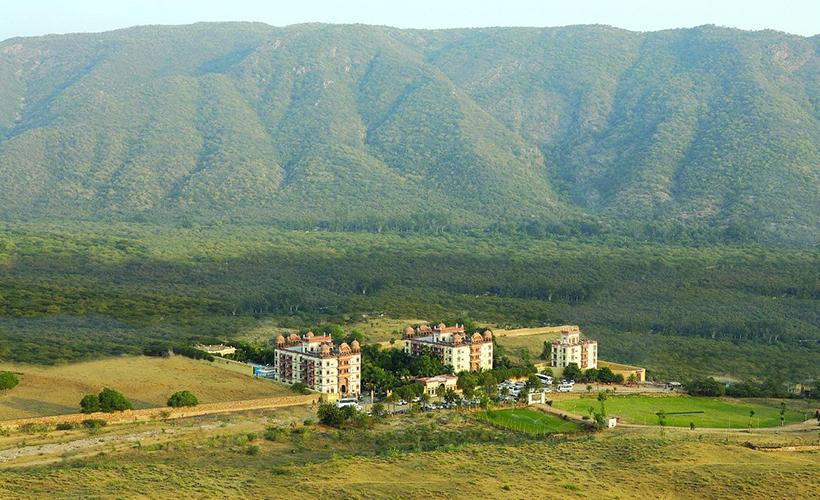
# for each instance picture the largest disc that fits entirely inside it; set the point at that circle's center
(37, 17)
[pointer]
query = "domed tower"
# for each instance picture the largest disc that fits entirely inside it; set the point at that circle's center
(355, 346)
(293, 338)
(409, 332)
(488, 335)
(344, 348)
(458, 339)
(309, 335)
(280, 341)
(441, 326)
(325, 350)
(477, 338)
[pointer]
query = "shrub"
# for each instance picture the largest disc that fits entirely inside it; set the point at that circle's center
(66, 426)
(251, 437)
(111, 401)
(182, 398)
(33, 427)
(157, 349)
(190, 352)
(300, 388)
(108, 400)
(94, 423)
(90, 403)
(274, 433)
(252, 450)
(8, 381)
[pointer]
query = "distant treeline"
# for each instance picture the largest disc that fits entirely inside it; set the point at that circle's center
(81, 291)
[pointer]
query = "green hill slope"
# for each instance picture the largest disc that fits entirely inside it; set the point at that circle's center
(369, 127)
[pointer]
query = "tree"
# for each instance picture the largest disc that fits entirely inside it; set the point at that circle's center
(661, 418)
(182, 398)
(547, 371)
(590, 375)
(90, 403)
(330, 414)
(546, 351)
(533, 383)
(751, 415)
(589, 388)
(450, 396)
(467, 382)
(602, 399)
(111, 401)
(572, 372)
(704, 387)
(391, 399)
(8, 381)
(691, 426)
(632, 380)
(782, 413)
(378, 410)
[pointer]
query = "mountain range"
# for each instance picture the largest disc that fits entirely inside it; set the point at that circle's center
(370, 126)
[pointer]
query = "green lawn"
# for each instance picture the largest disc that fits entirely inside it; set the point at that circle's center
(529, 421)
(723, 413)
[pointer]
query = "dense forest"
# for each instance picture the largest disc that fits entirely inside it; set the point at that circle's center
(70, 292)
(691, 135)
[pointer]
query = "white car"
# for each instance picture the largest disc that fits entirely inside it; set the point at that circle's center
(341, 403)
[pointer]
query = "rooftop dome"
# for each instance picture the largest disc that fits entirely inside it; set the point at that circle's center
(280, 340)
(409, 332)
(325, 349)
(344, 347)
(477, 337)
(457, 339)
(309, 335)
(355, 345)
(441, 326)
(488, 335)
(293, 338)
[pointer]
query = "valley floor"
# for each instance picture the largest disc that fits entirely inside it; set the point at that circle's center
(445, 455)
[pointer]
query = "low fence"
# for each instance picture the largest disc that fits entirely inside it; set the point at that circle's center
(166, 413)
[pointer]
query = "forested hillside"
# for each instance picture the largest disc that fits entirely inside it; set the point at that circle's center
(69, 293)
(675, 134)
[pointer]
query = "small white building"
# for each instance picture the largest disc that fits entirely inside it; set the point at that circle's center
(611, 422)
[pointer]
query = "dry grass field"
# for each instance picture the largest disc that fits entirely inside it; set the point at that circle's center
(228, 457)
(147, 382)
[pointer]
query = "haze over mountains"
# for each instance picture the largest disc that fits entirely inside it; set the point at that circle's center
(369, 126)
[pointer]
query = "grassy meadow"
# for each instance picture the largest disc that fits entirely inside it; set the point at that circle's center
(529, 421)
(146, 381)
(717, 413)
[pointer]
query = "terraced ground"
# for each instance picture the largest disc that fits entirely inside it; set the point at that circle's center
(146, 381)
(443, 455)
(716, 413)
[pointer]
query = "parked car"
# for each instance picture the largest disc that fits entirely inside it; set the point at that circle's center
(341, 403)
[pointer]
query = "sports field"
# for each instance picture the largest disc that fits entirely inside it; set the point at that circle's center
(719, 413)
(529, 421)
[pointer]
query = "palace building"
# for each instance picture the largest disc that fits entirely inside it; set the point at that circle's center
(316, 362)
(571, 349)
(452, 346)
